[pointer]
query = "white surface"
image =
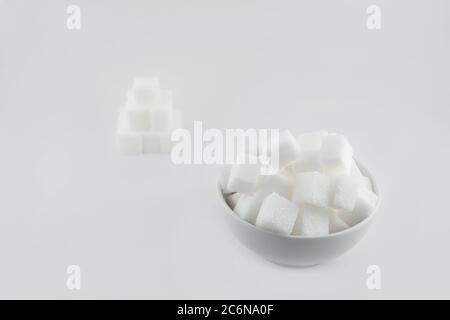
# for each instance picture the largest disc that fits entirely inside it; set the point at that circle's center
(140, 227)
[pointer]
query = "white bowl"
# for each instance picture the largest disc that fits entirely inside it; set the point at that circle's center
(298, 250)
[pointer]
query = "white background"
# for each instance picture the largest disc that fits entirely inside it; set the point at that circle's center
(141, 227)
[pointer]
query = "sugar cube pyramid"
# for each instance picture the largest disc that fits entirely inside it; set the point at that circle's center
(148, 118)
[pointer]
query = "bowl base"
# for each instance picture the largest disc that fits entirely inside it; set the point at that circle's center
(294, 266)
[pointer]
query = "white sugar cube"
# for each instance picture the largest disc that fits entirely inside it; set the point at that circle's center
(232, 199)
(277, 214)
(311, 188)
(131, 100)
(345, 192)
(129, 143)
(309, 158)
(138, 119)
(336, 154)
(147, 121)
(146, 97)
(366, 183)
(311, 221)
(146, 91)
(287, 172)
(356, 173)
(278, 183)
(243, 177)
(336, 224)
(354, 170)
(288, 149)
(151, 142)
(311, 141)
(364, 206)
(269, 166)
(307, 161)
(247, 207)
(161, 119)
(224, 175)
(264, 146)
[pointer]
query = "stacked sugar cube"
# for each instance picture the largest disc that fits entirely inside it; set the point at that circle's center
(147, 120)
(318, 189)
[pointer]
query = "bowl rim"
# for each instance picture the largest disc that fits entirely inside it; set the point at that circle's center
(357, 226)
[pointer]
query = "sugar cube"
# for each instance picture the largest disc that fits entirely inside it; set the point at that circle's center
(130, 99)
(138, 119)
(286, 172)
(146, 123)
(161, 119)
(345, 192)
(309, 158)
(336, 224)
(277, 214)
(129, 143)
(151, 142)
(232, 199)
(307, 161)
(243, 177)
(356, 173)
(288, 149)
(122, 121)
(278, 183)
(247, 207)
(311, 221)
(265, 162)
(336, 154)
(354, 170)
(366, 183)
(364, 206)
(311, 188)
(146, 91)
(311, 141)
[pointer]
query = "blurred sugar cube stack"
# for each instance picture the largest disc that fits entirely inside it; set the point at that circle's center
(318, 189)
(148, 118)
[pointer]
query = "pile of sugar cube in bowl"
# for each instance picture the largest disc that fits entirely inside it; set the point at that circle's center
(318, 189)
